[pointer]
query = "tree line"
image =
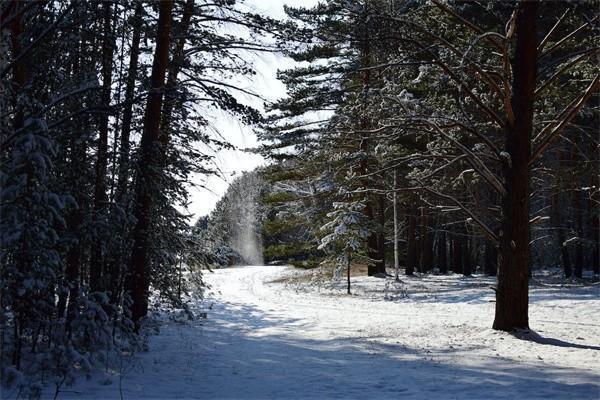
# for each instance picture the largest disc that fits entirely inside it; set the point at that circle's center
(104, 110)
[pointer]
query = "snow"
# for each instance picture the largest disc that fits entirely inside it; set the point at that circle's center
(272, 334)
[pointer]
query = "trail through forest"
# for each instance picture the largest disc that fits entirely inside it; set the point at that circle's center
(266, 339)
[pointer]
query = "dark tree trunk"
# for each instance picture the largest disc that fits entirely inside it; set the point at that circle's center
(457, 255)
(348, 273)
(442, 252)
(578, 217)
(560, 235)
(380, 264)
(100, 195)
(595, 228)
(20, 78)
(365, 123)
(411, 249)
(20, 70)
(149, 156)
(452, 253)
(467, 256)
(74, 222)
(174, 68)
(134, 52)
(426, 243)
(512, 294)
(372, 243)
(490, 259)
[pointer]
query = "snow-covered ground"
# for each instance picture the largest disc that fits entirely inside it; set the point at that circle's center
(271, 337)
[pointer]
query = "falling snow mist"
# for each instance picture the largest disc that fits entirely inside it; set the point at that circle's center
(245, 237)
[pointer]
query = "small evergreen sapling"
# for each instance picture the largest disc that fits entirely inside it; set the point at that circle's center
(346, 235)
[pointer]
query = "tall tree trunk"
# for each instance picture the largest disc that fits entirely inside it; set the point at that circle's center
(149, 156)
(20, 77)
(395, 205)
(512, 294)
(490, 259)
(380, 264)
(442, 251)
(100, 195)
(174, 68)
(426, 242)
(411, 250)
(365, 124)
(578, 217)
(457, 255)
(348, 264)
(560, 235)
(452, 252)
(467, 254)
(372, 243)
(124, 147)
(595, 229)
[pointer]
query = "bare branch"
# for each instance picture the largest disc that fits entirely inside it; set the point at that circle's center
(567, 37)
(475, 161)
(563, 120)
(545, 39)
(561, 71)
(468, 24)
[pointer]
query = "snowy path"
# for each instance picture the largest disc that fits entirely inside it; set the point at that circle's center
(266, 341)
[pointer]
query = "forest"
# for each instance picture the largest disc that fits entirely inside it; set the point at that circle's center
(427, 153)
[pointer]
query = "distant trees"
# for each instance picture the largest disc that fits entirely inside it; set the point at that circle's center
(232, 233)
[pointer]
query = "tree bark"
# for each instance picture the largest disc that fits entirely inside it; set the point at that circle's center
(348, 264)
(380, 264)
(20, 78)
(512, 294)
(149, 156)
(560, 235)
(442, 252)
(411, 250)
(124, 146)
(396, 254)
(100, 195)
(365, 124)
(490, 259)
(467, 254)
(174, 68)
(426, 242)
(595, 228)
(577, 211)
(457, 255)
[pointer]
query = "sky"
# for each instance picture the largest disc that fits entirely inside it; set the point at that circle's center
(232, 163)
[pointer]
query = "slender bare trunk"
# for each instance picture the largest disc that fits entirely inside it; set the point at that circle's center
(348, 273)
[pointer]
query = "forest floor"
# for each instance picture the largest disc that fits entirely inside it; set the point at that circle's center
(274, 333)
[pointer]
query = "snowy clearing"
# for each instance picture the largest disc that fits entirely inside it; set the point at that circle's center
(269, 337)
